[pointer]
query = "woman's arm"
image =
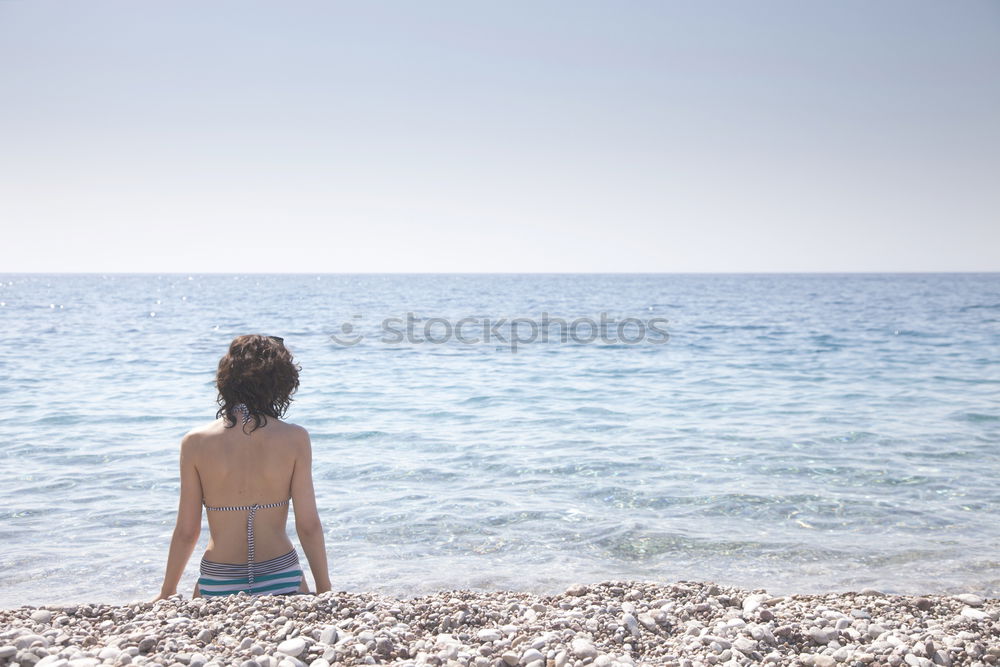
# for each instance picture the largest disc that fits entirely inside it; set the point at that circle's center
(307, 523)
(188, 520)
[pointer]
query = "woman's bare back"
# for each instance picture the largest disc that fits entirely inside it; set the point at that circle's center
(241, 469)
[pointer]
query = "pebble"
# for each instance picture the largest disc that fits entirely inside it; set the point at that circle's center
(719, 643)
(109, 653)
(583, 648)
(489, 635)
(975, 614)
(819, 636)
(328, 635)
(531, 655)
(52, 661)
(631, 624)
(292, 647)
(383, 646)
(43, 616)
(753, 602)
(970, 600)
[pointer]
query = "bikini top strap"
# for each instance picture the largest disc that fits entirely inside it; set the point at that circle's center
(245, 508)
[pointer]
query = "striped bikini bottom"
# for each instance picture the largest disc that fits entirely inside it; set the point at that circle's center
(278, 576)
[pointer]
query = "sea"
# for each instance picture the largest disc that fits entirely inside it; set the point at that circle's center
(799, 433)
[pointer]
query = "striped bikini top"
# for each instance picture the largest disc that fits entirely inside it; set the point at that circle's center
(251, 510)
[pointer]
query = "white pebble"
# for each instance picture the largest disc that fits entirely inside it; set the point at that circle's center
(531, 655)
(292, 647)
(583, 648)
(975, 614)
(489, 635)
(966, 598)
(42, 616)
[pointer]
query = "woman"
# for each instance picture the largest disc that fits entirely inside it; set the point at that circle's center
(245, 467)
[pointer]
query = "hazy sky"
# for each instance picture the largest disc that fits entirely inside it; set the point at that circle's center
(500, 136)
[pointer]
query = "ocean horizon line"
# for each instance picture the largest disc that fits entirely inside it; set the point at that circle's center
(499, 273)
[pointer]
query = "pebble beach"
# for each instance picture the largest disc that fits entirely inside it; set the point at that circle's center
(683, 624)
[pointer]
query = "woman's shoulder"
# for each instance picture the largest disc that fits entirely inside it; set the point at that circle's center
(196, 436)
(206, 429)
(297, 427)
(295, 431)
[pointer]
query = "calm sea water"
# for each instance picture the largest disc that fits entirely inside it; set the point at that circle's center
(796, 432)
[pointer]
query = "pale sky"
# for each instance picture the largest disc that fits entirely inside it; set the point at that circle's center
(499, 136)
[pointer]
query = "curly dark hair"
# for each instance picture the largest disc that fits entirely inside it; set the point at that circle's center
(259, 372)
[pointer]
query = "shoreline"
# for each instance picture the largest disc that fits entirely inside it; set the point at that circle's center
(608, 624)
